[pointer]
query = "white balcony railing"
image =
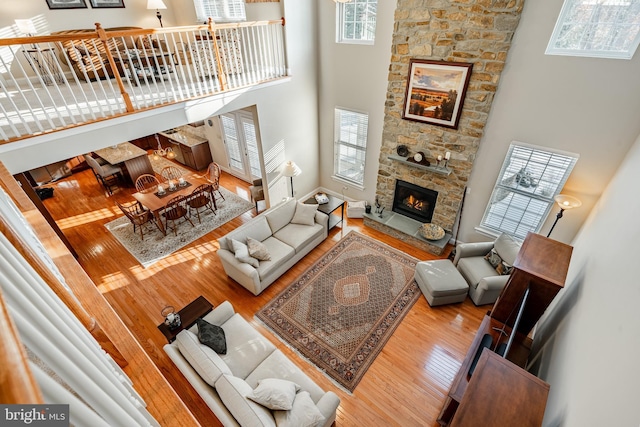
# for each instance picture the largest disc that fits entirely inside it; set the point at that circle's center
(55, 82)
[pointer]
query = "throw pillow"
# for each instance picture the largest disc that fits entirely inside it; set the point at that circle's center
(242, 253)
(258, 249)
(304, 214)
(274, 393)
(304, 413)
(233, 391)
(212, 336)
(498, 263)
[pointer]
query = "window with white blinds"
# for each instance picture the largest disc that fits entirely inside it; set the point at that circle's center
(356, 21)
(350, 145)
(523, 195)
(597, 28)
(220, 10)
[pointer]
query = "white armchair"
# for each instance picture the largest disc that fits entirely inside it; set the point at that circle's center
(485, 283)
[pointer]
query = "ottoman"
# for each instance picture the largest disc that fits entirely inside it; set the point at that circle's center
(440, 282)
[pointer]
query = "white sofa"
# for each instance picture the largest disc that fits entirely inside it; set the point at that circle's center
(223, 380)
(286, 242)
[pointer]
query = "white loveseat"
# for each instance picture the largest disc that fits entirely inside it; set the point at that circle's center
(223, 381)
(285, 241)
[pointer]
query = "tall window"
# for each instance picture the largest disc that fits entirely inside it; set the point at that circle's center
(350, 146)
(597, 28)
(356, 21)
(523, 195)
(220, 10)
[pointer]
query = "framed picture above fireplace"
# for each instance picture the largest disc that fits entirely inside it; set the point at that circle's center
(435, 92)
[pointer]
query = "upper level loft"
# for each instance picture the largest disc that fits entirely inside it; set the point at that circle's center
(70, 78)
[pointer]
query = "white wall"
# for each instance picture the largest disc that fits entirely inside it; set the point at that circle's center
(591, 335)
(353, 77)
(581, 105)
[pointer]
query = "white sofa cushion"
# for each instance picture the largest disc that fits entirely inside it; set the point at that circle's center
(298, 236)
(280, 254)
(206, 362)
(303, 414)
(507, 248)
(304, 214)
(233, 391)
(280, 215)
(258, 228)
(246, 348)
(277, 365)
(274, 393)
(474, 269)
(242, 253)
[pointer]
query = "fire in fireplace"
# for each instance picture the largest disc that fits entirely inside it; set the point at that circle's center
(414, 201)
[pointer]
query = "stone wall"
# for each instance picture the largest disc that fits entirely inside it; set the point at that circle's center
(473, 31)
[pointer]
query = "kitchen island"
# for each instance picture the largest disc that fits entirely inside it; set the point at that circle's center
(189, 145)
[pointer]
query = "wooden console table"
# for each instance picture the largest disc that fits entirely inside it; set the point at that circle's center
(492, 399)
(188, 316)
(538, 274)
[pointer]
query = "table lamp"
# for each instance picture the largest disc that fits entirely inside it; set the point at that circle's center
(157, 5)
(565, 202)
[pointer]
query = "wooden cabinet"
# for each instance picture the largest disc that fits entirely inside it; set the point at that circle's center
(198, 156)
(539, 272)
(146, 142)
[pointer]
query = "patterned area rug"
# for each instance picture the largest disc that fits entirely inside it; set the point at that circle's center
(341, 312)
(156, 246)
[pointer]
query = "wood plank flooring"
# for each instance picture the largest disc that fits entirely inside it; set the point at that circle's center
(405, 386)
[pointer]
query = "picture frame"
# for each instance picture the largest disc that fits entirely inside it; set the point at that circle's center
(102, 4)
(66, 4)
(435, 91)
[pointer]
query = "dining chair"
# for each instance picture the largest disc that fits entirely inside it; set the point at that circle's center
(175, 209)
(202, 197)
(146, 181)
(138, 215)
(170, 172)
(213, 172)
(107, 175)
(257, 191)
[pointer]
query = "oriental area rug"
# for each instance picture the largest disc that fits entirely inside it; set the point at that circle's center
(341, 312)
(156, 246)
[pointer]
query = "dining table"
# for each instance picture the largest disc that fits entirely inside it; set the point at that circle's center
(156, 202)
(135, 160)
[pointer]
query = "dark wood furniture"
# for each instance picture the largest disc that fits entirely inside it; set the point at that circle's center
(132, 159)
(197, 156)
(541, 269)
(501, 394)
(188, 316)
(329, 208)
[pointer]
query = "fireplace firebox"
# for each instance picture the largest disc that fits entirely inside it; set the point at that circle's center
(414, 201)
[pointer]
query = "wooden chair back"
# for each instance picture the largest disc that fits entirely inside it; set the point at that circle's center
(171, 172)
(146, 182)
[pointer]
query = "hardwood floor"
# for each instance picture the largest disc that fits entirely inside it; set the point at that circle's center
(405, 386)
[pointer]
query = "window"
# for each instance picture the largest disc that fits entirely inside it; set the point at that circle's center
(356, 21)
(597, 28)
(220, 10)
(350, 146)
(523, 195)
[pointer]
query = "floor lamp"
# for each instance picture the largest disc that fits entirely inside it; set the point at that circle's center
(565, 202)
(290, 169)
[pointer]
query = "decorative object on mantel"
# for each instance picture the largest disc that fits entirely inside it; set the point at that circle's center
(419, 158)
(431, 231)
(402, 150)
(434, 169)
(66, 4)
(435, 91)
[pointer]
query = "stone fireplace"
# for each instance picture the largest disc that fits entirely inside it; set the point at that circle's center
(414, 201)
(473, 32)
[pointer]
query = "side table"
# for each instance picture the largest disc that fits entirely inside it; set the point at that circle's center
(188, 316)
(43, 62)
(329, 208)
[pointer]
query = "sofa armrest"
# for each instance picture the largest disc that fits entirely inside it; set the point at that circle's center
(219, 314)
(241, 272)
(493, 283)
(323, 220)
(328, 405)
(464, 250)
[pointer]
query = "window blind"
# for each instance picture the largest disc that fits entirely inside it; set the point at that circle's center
(350, 145)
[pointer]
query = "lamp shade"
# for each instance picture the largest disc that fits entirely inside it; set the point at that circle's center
(156, 4)
(567, 202)
(291, 169)
(26, 26)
